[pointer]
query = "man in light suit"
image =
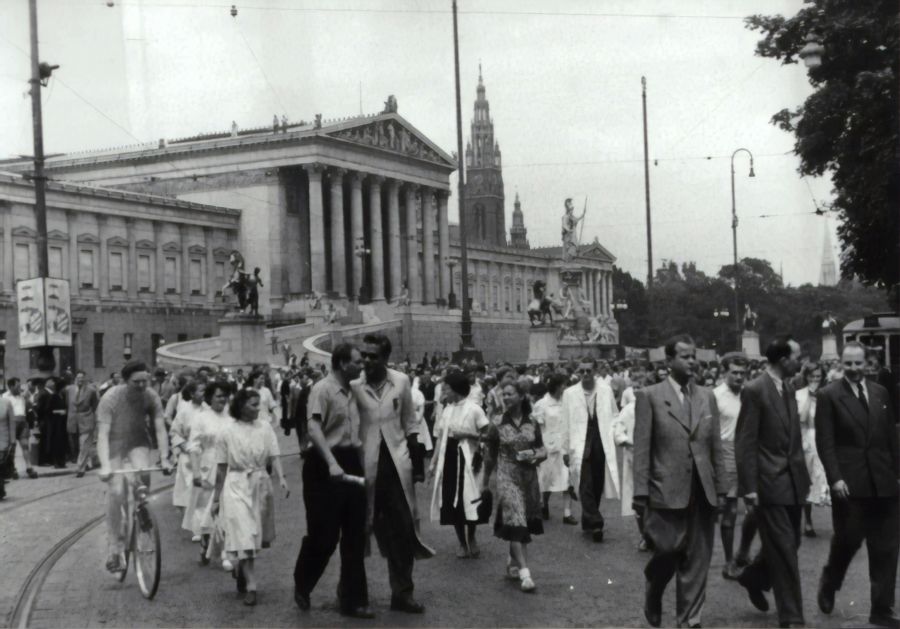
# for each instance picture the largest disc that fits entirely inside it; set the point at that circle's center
(773, 480)
(587, 415)
(679, 483)
(857, 443)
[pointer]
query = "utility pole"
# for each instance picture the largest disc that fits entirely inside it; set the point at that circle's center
(647, 187)
(466, 348)
(46, 363)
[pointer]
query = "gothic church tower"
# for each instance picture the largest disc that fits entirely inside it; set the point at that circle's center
(518, 235)
(485, 220)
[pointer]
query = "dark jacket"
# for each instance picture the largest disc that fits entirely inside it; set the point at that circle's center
(767, 444)
(854, 446)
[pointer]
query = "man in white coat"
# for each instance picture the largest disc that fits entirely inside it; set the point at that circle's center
(588, 414)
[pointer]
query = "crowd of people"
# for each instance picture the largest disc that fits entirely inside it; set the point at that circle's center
(679, 443)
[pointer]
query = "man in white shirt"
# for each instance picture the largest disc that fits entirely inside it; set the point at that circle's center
(16, 398)
(728, 400)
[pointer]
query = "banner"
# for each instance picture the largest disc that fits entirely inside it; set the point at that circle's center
(44, 313)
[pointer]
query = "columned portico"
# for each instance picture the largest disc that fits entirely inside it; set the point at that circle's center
(444, 244)
(428, 245)
(338, 252)
(396, 260)
(413, 277)
(356, 231)
(376, 244)
(316, 228)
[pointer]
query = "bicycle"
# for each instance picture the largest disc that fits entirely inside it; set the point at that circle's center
(142, 534)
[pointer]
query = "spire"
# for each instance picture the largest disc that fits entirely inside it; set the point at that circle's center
(828, 273)
(518, 235)
(480, 80)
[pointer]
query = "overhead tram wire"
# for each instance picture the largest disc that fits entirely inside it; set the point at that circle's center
(636, 160)
(260, 66)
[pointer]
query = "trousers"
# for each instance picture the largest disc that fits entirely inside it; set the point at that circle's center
(877, 522)
(682, 542)
(335, 511)
(775, 567)
(593, 476)
(393, 526)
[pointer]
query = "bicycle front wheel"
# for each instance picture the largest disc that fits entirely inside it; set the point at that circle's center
(146, 551)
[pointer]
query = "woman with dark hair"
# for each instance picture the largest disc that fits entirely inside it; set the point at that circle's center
(260, 383)
(812, 376)
(553, 474)
(206, 424)
(246, 446)
(456, 465)
(179, 434)
(516, 448)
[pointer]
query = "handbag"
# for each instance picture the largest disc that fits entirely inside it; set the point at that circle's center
(485, 506)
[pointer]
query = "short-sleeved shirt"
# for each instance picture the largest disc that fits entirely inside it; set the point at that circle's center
(130, 415)
(18, 403)
(729, 404)
(332, 405)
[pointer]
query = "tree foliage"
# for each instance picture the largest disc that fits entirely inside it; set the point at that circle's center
(685, 299)
(850, 126)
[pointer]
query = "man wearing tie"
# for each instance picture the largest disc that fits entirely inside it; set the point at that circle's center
(679, 482)
(857, 443)
(773, 481)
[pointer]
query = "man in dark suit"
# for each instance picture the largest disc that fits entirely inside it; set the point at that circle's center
(857, 443)
(773, 480)
(679, 483)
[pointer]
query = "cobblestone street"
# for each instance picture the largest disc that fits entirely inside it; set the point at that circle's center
(579, 583)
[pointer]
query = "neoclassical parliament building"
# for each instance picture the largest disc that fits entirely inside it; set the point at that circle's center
(351, 208)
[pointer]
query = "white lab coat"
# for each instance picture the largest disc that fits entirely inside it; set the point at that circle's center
(574, 419)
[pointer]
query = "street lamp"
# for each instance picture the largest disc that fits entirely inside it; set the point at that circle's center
(812, 52)
(620, 305)
(734, 226)
(451, 296)
(722, 314)
(361, 251)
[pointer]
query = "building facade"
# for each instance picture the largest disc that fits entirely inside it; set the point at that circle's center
(142, 271)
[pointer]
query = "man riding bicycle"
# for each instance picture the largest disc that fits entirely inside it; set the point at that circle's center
(123, 437)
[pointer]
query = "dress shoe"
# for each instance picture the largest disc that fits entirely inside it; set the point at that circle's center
(597, 535)
(363, 611)
(15, 475)
(652, 606)
(302, 600)
(642, 546)
(886, 619)
(407, 605)
(731, 571)
(250, 598)
(569, 520)
(79, 474)
(825, 596)
(758, 598)
(31, 473)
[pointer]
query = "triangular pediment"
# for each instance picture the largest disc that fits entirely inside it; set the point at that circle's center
(24, 232)
(55, 234)
(116, 241)
(145, 244)
(221, 252)
(197, 250)
(91, 238)
(171, 247)
(596, 251)
(392, 133)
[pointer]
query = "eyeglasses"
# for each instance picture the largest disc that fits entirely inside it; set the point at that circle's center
(369, 355)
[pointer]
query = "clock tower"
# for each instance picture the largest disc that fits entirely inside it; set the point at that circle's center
(484, 207)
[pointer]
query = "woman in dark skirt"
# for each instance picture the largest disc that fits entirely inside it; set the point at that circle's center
(515, 449)
(456, 467)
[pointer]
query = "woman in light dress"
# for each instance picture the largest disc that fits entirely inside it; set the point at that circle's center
(206, 426)
(179, 435)
(623, 433)
(267, 403)
(453, 468)
(516, 448)
(553, 474)
(245, 448)
(806, 407)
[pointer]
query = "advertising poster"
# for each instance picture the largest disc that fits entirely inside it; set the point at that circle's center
(58, 313)
(30, 304)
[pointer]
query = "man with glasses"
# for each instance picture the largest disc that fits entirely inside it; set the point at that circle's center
(587, 415)
(679, 483)
(857, 443)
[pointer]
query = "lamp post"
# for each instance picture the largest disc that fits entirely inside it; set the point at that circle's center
(722, 314)
(361, 251)
(812, 52)
(451, 296)
(734, 226)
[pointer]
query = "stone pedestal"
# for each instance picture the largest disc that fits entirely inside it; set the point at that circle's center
(242, 341)
(829, 347)
(750, 345)
(542, 345)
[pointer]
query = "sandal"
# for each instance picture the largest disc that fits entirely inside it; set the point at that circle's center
(512, 570)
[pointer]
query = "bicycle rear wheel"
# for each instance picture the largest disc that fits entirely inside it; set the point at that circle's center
(147, 551)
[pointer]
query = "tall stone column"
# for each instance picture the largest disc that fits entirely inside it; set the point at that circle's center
(396, 264)
(318, 265)
(209, 244)
(428, 244)
(183, 234)
(412, 246)
(103, 267)
(74, 280)
(159, 277)
(444, 244)
(132, 259)
(338, 252)
(376, 242)
(356, 231)
(7, 269)
(609, 293)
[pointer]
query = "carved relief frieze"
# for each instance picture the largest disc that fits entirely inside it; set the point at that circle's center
(391, 136)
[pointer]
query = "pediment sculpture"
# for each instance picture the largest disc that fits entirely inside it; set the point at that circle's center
(392, 136)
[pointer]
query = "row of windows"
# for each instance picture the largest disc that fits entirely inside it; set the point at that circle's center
(88, 277)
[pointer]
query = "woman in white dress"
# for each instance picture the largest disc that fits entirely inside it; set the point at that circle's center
(267, 403)
(179, 436)
(806, 407)
(553, 474)
(455, 468)
(246, 446)
(206, 426)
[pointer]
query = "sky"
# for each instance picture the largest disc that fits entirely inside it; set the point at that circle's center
(563, 80)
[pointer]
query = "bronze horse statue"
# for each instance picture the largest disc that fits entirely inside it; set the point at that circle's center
(539, 308)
